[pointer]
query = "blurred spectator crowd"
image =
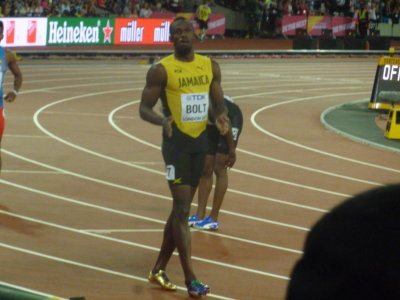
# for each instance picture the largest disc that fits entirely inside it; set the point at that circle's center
(91, 8)
(48, 8)
(263, 17)
(144, 8)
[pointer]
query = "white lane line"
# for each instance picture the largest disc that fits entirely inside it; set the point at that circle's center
(29, 172)
(113, 124)
(302, 186)
(140, 217)
(78, 79)
(111, 231)
(24, 289)
(79, 85)
(94, 268)
(151, 163)
(129, 243)
(140, 191)
(308, 168)
(244, 151)
(27, 136)
(36, 121)
(254, 115)
(270, 199)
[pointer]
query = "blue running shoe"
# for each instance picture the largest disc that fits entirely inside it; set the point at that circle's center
(197, 289)
(207, 223)
(193, 220)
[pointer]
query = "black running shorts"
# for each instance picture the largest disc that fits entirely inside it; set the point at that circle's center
(182, 168)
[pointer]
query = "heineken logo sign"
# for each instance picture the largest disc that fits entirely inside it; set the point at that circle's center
(69, 31)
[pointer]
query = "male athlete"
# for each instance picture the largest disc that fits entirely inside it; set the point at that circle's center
(7, 60)
(187, 83)
(203, 13)
(220, 156)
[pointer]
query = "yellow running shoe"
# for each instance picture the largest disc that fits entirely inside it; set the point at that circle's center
(162, 280)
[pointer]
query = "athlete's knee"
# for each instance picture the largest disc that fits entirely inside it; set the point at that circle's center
(207, 171)
(219, 168)
(220, 171)
(208, 166)
(181, 210)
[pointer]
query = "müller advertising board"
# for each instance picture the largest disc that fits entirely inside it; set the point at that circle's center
(20, 32)
(142, 31)
(24, 32)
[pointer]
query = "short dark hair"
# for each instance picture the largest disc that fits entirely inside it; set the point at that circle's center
(1, 25)
(178, 19)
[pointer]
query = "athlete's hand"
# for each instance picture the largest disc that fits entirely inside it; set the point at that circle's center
(222, 123)
(10, 97)
(167, 125)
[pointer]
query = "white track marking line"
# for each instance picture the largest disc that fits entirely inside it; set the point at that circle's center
(93, 268)
(36, 121)
(27, 136)
(237, 97)
(140, 217)
(151, 194)
(113, 124)
(254, 115)
(308, 168)
(77, 79)
(63, 171)
(111, 231)
(129, 243)
(29, 172)
(24, 289)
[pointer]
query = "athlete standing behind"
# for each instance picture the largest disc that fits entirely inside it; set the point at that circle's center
(7, 60)
(203, 13)
(221, 155)
(185, 82)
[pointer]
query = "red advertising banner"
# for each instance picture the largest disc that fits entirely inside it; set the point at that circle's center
(10, 32)
(340, 25)
(316, 23)
(141, 31)
(216, 24)
(291, 23)
(32, 31)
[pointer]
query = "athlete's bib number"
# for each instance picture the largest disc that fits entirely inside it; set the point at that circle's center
(170, 172)
(235, 133)
(194, 107)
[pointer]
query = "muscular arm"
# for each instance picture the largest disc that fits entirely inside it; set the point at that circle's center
(155, 83)
(231, 159)
(13, 66)
(217, 100)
